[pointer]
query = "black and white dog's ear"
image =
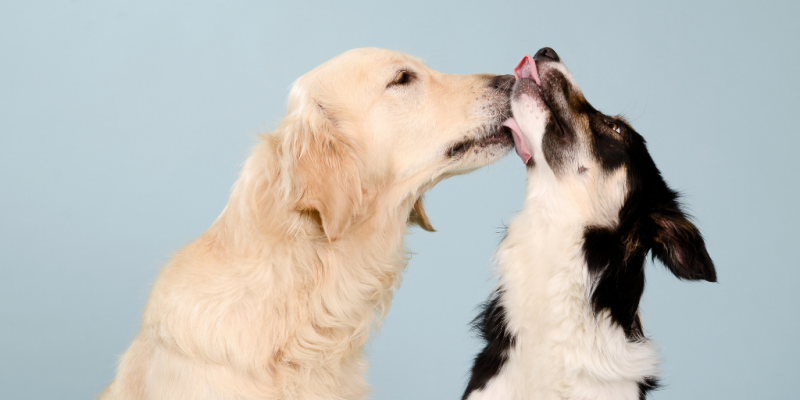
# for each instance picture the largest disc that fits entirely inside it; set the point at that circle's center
(679, 245)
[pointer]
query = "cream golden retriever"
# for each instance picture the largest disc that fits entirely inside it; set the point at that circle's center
(276, 299)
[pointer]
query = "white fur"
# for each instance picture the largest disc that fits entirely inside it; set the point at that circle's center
(501, 387)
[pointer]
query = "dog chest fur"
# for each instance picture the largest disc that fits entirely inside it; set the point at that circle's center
(561, 349)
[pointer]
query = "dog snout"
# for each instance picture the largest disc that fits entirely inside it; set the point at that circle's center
(502, 82)
(546, 54)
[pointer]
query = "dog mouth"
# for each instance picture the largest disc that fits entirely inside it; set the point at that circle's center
(499, 136)
(528, 83)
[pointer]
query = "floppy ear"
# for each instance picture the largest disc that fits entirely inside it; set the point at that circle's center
(678, 244)
(419, 217)
(326, 173)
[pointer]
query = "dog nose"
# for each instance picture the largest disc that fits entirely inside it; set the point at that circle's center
(502, 82)
(546, 53)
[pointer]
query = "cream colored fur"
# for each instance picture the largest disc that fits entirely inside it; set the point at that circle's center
(277, 298)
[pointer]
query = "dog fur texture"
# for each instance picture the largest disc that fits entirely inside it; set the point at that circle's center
(277, 298)
(563, 323)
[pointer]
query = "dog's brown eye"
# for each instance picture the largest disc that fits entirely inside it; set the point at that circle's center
(403, 77)
(614, 126)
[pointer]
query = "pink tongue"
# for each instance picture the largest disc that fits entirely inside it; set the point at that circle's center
(519, 140)
(527, 69)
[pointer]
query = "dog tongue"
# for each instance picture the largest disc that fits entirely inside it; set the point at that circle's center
(519, 140)
(527, 69)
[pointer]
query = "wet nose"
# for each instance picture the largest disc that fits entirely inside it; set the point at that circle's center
(502, 82)
(546, 54)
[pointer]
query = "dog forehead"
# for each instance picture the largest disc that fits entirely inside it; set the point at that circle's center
(366, 64)
(363, 72)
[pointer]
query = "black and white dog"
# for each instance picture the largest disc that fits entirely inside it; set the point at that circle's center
(564, 322)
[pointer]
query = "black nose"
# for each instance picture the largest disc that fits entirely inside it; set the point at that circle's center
(502, 82)
(546, 53)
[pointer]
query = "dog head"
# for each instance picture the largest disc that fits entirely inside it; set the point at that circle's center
(598, 166)
(373, 126)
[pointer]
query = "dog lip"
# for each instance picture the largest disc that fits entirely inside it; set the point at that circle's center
(530, 88)
(499, 136)
(525, 85)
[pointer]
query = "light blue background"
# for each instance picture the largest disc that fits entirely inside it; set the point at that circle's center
(123, 127)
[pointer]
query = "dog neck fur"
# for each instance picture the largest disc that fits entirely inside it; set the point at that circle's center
(319, 296)
(561, 348)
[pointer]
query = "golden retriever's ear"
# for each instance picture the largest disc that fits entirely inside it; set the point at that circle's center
(326, 174)
(419, 217)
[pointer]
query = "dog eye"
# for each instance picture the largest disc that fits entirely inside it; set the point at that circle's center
(402, 78)
(614, 126)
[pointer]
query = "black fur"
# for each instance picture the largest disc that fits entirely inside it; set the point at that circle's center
(491, 326)
(608, 146)
(648, 385)
(618, 285)
(651, 219)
